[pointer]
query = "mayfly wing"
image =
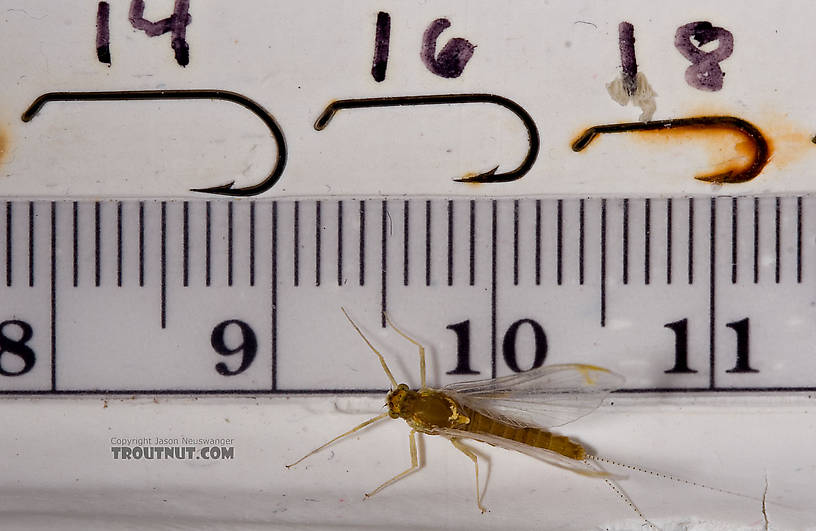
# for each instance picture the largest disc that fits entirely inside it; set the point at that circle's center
(549, 396)
(548, 456)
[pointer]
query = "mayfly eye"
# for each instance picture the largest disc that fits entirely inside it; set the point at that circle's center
(403, 386)
(393, 415)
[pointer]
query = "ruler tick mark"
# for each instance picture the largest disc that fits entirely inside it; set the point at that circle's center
(493, 277)
(185, 245)
(625, 251)
(53, 296)
(778, 241)
(296, 243)
(9, 245)
(450, 242)
(515, 242)
(647, 241)
(164, 264)
(691, 240)
(712, 290)
(362, 241)
(340, 242)
(97, 244)
(207, 243)
(31, 243)
(472, 249)
(538, 242)
(756, 240)
(428, 243)
(559, 247)
(603, 262)
(76, 243)
(119, 243)
(252, 243)
(581, 227)
(141, 244)
(669, 241)
(383, 261)
(229, 242)
(734, 225)
(318, 230)
(274, 296)
(406, 240)
(799, 239)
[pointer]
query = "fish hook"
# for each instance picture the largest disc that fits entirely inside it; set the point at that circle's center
(450, 99)
(195, 94)
(760, 145)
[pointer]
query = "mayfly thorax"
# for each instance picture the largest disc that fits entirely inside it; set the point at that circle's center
(512, 412)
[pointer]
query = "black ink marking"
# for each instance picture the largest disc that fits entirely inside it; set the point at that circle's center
(705, 72)
(103, 33)
(748, 130)
(626, 43)
(450, 99)
(382, 40)
(175, 24)
(451, 61)
(196, 94)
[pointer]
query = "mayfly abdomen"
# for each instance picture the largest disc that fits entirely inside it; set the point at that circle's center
(537, 437)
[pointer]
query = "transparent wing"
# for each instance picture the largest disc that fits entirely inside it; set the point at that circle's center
(549, 457)
(551, 395)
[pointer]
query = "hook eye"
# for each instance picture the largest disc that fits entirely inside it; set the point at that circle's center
(196, 94)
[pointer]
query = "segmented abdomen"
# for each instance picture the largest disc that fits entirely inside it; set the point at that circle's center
(536, 437)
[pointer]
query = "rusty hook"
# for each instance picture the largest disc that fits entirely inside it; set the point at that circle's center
(450, 99)
(195, 94)
(761, 150)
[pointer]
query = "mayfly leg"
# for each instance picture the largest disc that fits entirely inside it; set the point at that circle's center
(415, 342)
(468, 452)
(356, 428)
(380, 356)
(413, 468)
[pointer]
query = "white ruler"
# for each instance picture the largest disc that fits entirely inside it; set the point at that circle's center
(679, 294)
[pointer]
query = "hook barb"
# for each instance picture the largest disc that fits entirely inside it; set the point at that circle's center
(491, 176)
(748, 130)
(194, 94)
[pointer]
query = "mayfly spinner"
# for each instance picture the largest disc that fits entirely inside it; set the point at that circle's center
(511, 412)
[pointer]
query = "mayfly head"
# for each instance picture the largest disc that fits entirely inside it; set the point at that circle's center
(396, 401)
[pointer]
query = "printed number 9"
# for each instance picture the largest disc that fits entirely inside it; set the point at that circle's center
(248, 346)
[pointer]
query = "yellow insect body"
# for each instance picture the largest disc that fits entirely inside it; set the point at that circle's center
(511, 412)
